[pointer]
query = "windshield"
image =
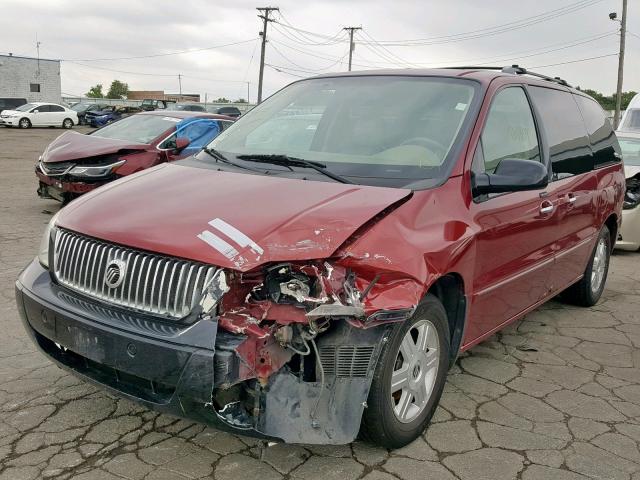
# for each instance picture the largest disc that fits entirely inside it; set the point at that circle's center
(80, 107)
(25, 108)
(138, 128)
(378, 130)
(630, 150)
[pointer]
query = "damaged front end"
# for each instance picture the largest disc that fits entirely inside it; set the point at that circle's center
(296, 349)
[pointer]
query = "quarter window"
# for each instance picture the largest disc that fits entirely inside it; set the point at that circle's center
(603, 140)
(565, 132)
(509, 131)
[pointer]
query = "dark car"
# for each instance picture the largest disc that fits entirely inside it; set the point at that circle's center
(11, 103)
(229, 111)
(306, 281)
(149, 104)
(188, 107)
(75, 164)
(83, 108)
(110, 114)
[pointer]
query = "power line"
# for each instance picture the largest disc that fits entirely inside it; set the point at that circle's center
(574, 61)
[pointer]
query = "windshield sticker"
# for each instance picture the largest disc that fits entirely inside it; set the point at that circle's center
(172, 119)
(461, 106)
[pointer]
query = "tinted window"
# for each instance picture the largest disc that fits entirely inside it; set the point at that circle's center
(56, 108)
(565, 132)
(43, 109)
(603, 140)
(509, 131)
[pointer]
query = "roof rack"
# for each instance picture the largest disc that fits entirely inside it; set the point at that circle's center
(517, 70)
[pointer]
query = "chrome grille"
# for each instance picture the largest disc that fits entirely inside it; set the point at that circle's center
(151, 283)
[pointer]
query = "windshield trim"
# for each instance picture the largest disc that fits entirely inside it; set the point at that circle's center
(459, 141)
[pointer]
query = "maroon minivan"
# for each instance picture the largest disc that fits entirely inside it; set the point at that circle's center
(313, 273)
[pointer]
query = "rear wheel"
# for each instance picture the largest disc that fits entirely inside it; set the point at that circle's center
(589, 289)
(24, 123)
(409, 377)
(67, 123)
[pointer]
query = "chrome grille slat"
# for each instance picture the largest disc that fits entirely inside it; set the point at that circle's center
(152, 283)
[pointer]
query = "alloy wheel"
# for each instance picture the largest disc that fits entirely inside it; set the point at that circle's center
(415, 371)
(599, 266)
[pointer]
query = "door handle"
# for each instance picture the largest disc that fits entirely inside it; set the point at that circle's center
(546, 207)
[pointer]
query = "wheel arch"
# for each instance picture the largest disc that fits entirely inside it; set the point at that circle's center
(612, 224)
(449, 289)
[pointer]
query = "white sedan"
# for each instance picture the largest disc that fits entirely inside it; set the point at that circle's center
(39, 115)
(629, 236)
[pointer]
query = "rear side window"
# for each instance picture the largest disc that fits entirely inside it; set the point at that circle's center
(56, 108)
(603, 140)
(509, 131)
(565, 132)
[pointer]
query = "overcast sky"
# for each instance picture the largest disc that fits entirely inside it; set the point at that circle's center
(502, 32)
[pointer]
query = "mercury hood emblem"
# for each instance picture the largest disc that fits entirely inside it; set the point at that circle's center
(114, 273)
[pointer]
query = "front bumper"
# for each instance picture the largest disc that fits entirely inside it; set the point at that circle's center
(12, 122)
(51, 187)
(629, 234)
(172, 368)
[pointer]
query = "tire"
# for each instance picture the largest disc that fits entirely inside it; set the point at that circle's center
(384, 422)
(24, 123)
(588, 290)
(67, 123)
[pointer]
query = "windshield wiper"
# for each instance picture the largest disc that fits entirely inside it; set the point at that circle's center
(219, 157)
(287, 161)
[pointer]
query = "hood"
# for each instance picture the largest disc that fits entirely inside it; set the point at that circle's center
(73, 145)
(631, 170)
(232, 220)
(10, 112)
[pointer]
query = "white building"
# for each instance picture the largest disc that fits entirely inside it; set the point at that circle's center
(30, 78)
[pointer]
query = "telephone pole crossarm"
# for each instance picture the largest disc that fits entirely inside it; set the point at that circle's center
(351, 44)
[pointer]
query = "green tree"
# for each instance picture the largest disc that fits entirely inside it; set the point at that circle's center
(222, 100)
(609, 102)
(95, 91)
(118, 89)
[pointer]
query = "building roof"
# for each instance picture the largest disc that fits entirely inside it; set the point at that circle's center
(29, 58)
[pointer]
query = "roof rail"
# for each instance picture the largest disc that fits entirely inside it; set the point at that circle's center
(517, 70)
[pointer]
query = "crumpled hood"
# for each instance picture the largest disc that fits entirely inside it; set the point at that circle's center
(631, 170)
(73, 145)
(232, 220)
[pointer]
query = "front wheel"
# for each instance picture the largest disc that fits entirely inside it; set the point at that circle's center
(24, 123)
(409, 377)
(67, 123)
(588, 290)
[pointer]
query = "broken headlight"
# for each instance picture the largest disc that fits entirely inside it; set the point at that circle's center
(284, 284)
(47, 239)
(632, 194)
(96, 171)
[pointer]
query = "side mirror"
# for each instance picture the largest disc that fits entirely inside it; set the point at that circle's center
(182, 143)
(511, 175)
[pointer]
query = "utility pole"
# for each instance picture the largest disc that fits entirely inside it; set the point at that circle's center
(266, 11)
(248, 94)
(351, 44)
(623, 34)
(180, 83)
(38, 50)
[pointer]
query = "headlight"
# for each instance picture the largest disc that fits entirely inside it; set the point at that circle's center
(49, 236)
(96, 170)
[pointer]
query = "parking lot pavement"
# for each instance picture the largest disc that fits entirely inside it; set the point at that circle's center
(554, 396)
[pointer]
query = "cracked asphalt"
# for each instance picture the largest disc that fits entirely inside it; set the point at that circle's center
(554, 396)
